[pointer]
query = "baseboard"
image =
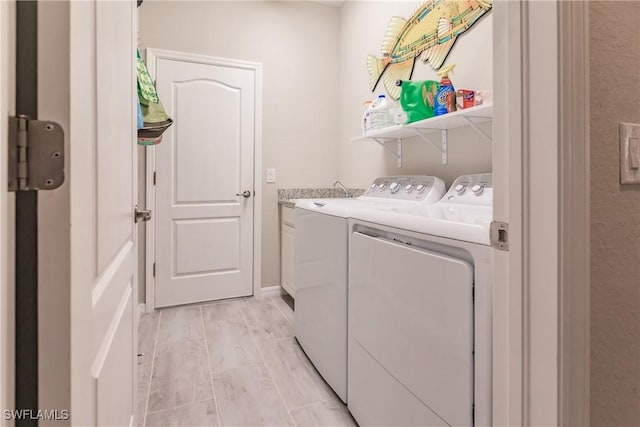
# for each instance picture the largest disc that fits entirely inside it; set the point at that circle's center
(272, 291)
(142, 309)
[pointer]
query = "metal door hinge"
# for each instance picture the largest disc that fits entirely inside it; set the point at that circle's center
(36, 154)
(154, 178)
(499, 233)
(154, 269)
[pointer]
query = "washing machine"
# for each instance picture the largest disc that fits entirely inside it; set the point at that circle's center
(322, 237)
(419, 324)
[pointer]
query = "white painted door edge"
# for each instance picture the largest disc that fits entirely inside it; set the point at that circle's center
(152, 55)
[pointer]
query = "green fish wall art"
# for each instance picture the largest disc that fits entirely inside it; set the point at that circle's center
(430, 33)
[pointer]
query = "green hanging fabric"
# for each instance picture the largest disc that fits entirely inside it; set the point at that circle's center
(146, 90)
(154, 116)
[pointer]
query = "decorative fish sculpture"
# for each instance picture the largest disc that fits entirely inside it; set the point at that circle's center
(430, 33)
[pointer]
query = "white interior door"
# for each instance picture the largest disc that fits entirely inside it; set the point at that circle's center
(203, 224)
(103, 194)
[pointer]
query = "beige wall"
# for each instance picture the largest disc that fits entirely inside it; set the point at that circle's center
(362, 26)
(297, 43)
(615, 217)
(315, 81)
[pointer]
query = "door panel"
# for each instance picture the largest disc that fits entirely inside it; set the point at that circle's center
(116, 369)
(114, 155)
(196, 233)
(115, 149)
(204, 230)
(103, 193)
(215, 117)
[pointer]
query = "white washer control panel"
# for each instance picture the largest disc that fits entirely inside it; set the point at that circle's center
(471, 190)
(408, 187)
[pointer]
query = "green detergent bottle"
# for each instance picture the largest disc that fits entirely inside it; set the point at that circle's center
(417, 98)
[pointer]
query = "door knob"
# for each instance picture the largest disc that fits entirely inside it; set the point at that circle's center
(246, 194)
(140, 214)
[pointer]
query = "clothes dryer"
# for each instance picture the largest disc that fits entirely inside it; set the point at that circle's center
(419, 325)
(322, 237)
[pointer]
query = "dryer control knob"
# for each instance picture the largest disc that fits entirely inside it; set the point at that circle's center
(420, 188)
(477, 189)
(394, 187)
(382, 186)
(373, 186)
(460, 189)
(408, 188)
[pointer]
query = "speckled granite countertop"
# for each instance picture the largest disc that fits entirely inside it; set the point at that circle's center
(288, 196)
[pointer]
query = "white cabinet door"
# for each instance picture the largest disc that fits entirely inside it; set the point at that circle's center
(287, 251)
(204, 226)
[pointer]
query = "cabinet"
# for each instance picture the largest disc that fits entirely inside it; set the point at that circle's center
(287, 249)
(427, 128)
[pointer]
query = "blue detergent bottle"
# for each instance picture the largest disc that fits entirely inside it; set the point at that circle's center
(446, 97)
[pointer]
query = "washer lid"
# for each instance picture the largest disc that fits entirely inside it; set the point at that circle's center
(468, 223)
(343, 207)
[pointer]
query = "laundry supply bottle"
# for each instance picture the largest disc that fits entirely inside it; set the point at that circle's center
(417, 98)
(366, 116)
(446, 98)
(380, 116)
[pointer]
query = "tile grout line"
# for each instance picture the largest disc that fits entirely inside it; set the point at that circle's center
(287, 338)
(311, 404)
(206, 346)
(173, 408)
(264, 362)
(153, 362)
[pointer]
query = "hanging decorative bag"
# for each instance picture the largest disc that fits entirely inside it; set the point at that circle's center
(154, 118)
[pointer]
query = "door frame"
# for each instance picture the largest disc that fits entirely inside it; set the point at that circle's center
(152, 56)
(541, 174)
(7, 237)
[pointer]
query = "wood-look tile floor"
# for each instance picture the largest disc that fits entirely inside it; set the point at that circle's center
(230, 363)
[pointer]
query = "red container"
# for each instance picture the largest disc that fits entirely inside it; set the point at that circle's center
(468, 98)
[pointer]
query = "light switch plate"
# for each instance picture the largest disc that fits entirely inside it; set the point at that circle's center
(629, 153)
(271, 176)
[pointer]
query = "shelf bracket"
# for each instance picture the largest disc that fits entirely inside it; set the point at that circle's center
(397, 153)
(442, 147)
(476, 128)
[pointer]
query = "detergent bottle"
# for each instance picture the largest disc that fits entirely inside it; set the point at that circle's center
(417, 98)
(366, 117)
(380, 115)
(446, 98)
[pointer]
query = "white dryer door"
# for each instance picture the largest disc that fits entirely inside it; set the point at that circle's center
(411, 326)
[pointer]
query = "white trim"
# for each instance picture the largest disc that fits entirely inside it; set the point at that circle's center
(508, 274)
(152, 55)
(574, 251)
(150, 235)
(541, 179)
(272, 291)
(141, 310)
